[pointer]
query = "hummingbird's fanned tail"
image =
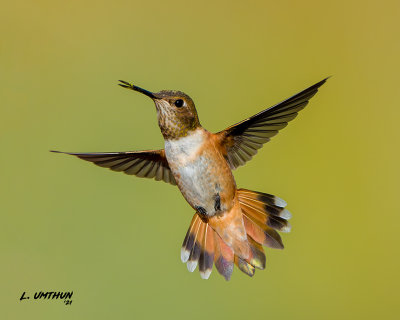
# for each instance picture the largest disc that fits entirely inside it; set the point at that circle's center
(236, 237)
(204, 247)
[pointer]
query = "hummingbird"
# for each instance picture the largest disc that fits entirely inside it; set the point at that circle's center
(230, 225)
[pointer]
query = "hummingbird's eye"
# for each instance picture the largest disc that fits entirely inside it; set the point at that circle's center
(179, 103)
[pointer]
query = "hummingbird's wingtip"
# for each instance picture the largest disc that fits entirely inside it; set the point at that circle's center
(326, 78)
(319, 84)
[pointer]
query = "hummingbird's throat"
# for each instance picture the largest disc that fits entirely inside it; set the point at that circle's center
(175, 124)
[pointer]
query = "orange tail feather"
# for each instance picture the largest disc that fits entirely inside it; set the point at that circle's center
(236, 237)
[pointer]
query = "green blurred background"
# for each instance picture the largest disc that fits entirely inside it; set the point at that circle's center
(115, 239)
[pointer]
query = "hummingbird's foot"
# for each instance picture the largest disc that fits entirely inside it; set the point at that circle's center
(126, 85)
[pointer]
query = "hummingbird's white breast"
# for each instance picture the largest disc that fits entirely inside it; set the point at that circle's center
(185, 149)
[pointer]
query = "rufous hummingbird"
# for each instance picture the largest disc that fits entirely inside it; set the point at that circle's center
(230, 225)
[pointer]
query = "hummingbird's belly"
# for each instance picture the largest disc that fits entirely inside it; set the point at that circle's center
(202, 174)
(202, 186)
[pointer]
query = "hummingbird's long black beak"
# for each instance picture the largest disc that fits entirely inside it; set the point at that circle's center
(135, 88)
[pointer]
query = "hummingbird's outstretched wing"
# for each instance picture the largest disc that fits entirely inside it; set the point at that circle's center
(242, 140)
(144, 164)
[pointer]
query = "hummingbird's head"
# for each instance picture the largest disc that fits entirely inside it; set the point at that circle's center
(177, 115)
